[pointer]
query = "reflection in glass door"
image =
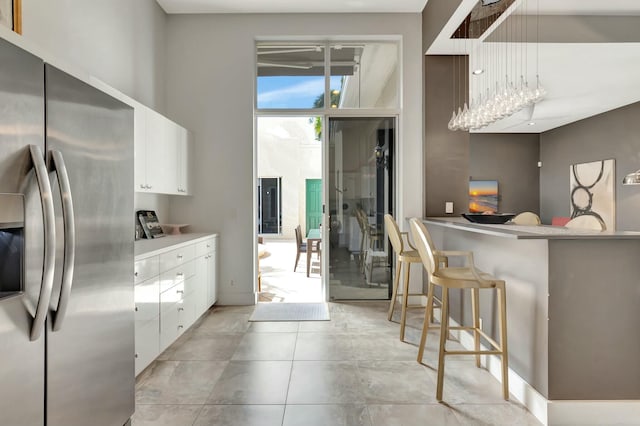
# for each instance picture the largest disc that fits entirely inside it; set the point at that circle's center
(360, 193)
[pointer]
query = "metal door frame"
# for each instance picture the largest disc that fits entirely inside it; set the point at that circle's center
(326, 114)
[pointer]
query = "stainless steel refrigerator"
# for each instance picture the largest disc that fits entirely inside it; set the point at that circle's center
(66, 249)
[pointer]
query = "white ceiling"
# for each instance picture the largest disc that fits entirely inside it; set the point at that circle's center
(587, 7)
(292, 6)
(582, 79)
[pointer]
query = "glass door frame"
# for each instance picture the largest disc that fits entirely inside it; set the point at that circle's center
(363, 114)
(326, 114)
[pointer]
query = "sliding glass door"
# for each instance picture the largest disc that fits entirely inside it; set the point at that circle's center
(360, 192)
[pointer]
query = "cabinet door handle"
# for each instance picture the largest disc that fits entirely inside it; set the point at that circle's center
(136, 356)
(179, 257)
(180, 327)
(179, 274)
(180, 309)
(142, 186)
(136, 309)
(208, 246)
(135, 274)
(180, 291)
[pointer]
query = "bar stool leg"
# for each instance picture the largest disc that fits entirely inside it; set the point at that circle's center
(425, 325)
(396, 281)
(502, 301)
(405, 300)
(444, 330)
(475, 307)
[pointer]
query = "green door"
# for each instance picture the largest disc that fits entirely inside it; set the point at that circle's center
(314, 204)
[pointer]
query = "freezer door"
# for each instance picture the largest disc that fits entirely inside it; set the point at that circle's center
(90, 356)
(21, 124)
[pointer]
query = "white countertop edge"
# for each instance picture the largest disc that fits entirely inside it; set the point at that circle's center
(563, 234)
(145, 248)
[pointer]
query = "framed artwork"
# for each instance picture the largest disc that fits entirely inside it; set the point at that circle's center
(483, 196)
(593, 191)
(11, 14)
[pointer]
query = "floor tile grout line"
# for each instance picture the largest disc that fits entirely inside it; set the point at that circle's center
(198, 416)
(293, 356)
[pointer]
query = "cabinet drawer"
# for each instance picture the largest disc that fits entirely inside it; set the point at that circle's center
(176, 257)
(146, 268)
(168, 326)
(176, 275)
(174, 295)
(147, 343)
(187, 316)
(147, 300)
(205, 247)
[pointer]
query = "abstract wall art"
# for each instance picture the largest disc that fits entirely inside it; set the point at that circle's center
(592, 188)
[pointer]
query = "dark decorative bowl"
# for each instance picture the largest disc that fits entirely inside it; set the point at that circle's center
(497, 218)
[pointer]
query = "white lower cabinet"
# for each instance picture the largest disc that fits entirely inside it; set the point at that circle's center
(147, 321)
(147, 343)
(178, 287)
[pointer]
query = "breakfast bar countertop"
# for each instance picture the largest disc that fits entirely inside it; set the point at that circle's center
(532, 232)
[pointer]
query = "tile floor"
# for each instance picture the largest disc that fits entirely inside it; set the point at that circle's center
(350, 371)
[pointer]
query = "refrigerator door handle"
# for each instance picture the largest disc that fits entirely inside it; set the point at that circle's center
(46, 198)
(69, 239)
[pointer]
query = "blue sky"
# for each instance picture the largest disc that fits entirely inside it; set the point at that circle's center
(291, 92)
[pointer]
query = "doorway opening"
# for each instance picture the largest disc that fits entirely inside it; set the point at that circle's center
(269, 205)
(289, 209)
(337, 89)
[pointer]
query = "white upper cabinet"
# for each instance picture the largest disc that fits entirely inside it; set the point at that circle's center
(140, 149)
(185, 147)
(162, 154)
(159, 158)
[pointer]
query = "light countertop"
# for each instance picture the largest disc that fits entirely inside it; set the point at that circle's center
(540, 232)
(145, 248)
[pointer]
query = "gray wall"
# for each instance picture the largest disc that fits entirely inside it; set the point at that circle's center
(121, 42)
(446, 152)
(613, 134)
(435, 16)
(210, 90)
(512, 160)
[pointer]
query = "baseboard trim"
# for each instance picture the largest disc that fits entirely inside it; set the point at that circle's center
(556, 413)
(237, 299)
(535, 402)
(592, 413)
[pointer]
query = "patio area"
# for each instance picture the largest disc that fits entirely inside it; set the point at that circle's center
(347, 282)
(280, 283)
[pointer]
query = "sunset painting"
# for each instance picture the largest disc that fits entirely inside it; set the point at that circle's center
(483, 196)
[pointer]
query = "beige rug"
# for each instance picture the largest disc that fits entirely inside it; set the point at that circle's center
(290, 312)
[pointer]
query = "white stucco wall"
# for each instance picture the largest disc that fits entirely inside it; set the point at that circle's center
(210, 90)
(287, 148)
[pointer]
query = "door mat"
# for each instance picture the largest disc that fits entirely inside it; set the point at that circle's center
(290, 312)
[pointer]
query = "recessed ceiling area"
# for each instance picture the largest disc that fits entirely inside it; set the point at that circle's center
(588, 62)
(292, 6)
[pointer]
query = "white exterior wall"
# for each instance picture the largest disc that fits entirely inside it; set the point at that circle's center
(210, 90)
(287, 148)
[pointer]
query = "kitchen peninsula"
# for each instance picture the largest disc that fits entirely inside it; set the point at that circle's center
(573, 309)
